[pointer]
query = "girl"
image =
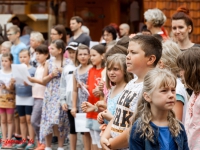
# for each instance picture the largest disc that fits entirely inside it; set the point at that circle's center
(80, 77)
(42, 54)
(94, 76)
(155, 125)
(52, 115)
(168, 60)
(189, 61)
(7, 100)
(24, 103)
(116, 79)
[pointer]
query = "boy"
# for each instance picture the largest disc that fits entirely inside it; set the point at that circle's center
(144, 53)
(66, 89)
(13, 34)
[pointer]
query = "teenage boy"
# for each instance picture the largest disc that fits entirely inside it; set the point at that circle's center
(13, 34)
(144, 52)
(66, 89)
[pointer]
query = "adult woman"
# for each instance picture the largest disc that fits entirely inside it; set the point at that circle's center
(182, 27)
(154, 20)
(58, 32)
(109, 34)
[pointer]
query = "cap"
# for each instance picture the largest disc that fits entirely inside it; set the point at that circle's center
(72, 45)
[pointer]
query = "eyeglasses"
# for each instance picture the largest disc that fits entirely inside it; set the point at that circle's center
(54, 33)
(11, 34)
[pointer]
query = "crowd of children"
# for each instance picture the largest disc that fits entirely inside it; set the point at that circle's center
(133, 92)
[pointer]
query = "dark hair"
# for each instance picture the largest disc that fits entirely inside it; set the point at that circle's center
(110, 29)
(189, 61)
(9, 55)
(158, 36)
(101, 50)
(43, 49)
(81, 47)
(78, 19)
(183, 14)
(15, 18)
(61, 30)
(116, 49)
(150, 45)
(144, 29)
(123, 41)
(68, 32)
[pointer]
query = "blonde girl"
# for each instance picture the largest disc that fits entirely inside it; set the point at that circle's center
(168, 60)
(7, 100)
(155, 125)
(189, 62)
(53, 118)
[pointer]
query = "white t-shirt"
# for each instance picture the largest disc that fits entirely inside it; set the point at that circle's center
(126, 106)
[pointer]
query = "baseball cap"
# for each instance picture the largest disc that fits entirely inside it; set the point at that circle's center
(72, 45)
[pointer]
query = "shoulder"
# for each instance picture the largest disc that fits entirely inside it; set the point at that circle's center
(85, 36)
(22, 45)
(196, 45)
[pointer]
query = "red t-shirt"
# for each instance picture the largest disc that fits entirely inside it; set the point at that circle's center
(94, 76)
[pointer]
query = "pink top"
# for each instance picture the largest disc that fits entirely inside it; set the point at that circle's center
(192, 122)
(38, 89)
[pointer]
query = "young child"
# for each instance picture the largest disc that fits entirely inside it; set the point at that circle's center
(155, 125)
(144, 52)
(79, 96)
(24, 104)
(42, 54)
(168, 60)
(189, 62)
(66, 90)
(53, 118)
(7, 100)
(5, 48)
(116, 79)
(94, 76)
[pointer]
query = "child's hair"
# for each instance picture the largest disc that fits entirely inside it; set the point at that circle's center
(150, 45)
(81, 47)
(120, 60)
(158, 36)
(123, 41)
(10, 56)
(43, 49)
(7, 44)
(189, 61)
(101, 50)
(170, 53)
(25, 50)
(154, 79)
(14, 28)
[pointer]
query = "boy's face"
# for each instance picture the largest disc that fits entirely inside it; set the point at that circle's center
(135, 60)
(4, 50)
(12, 36)
(72, 54)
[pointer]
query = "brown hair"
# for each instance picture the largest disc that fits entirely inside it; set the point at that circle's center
(81, 47)
(61, 30)
(43, 49)
(182, 13)
(25, 50)
(150, 45)
(78, 19)
(9, 55)
(189, 61)
(101, 50)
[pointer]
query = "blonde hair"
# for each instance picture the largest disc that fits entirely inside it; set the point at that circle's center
(117, 59)
(156, 16)
(7, 44)
(154, 79)
(14, 28)
(37, 36)
(169, 56)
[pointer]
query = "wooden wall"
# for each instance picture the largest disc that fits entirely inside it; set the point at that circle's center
(169, 8)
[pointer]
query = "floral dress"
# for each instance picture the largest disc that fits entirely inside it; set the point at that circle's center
(52, 113)
(82, 95)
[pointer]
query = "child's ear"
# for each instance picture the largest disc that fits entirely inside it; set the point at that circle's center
(147, 97)
(151, 60)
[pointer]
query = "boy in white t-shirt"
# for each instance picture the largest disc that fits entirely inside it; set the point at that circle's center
(144, 53)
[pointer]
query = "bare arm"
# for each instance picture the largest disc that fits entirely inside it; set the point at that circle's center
(178, 109)
(74, 97)
(35, 80)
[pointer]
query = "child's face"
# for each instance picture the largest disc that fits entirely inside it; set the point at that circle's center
(83, 56)
(115, 74)
(163, 98)
(95, 57)
(24, 58)
(135, 60)
(12, 36)
(41, 58)
(54, 51)
(4, 50)
(72, 54)
(6, 63)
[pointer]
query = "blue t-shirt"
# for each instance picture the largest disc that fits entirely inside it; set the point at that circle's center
(165, 138)
(15, 49)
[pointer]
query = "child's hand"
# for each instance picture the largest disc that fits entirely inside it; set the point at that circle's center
(64, 107)
(12, 81)
(96, 92)
(73, 112)
(3, 86)
(102, 105)
(87, 107)
(30, 79)
(107, 115)
(60, 69)
(100, 118)
(25, 84)
(101, 85)
(55, 72)
(105, 143)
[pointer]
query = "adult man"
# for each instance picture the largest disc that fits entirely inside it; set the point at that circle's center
(75, 25)
(15, 21)
(124, 30)
(13, 34)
